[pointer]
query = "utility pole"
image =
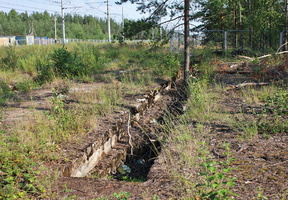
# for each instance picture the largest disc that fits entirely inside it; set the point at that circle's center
(55, 28)
(32, 30)
(123, 37)
(63, 23)
(108, 21)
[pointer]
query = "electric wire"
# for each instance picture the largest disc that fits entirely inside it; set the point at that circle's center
(81, 7)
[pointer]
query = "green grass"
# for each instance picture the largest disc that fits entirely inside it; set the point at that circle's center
(187, 153)
(28, 144)
(187, 150)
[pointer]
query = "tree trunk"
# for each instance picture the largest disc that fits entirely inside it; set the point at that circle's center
(186, 40)
(285, 30)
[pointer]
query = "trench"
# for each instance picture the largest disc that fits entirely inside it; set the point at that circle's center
(111, 156)
(136, 167)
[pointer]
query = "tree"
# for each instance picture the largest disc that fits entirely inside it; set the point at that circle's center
(186, 40)
(173, 10)
(132, 28)
(81, 27)
(262, 18)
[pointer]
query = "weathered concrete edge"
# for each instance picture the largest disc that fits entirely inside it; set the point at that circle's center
(93, 152)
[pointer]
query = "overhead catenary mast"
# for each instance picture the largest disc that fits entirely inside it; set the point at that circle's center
(63, 23)
(123, 37)
(55, 28)
(108, 21)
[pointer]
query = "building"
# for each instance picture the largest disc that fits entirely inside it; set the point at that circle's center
(7, 40)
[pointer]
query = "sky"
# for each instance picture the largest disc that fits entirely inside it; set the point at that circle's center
(97, 8)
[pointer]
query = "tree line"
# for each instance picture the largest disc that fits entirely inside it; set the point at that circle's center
(42, 24)
(250, 23)
(262, 20)
(255, 23)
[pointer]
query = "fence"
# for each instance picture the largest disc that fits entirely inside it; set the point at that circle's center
(262, 41)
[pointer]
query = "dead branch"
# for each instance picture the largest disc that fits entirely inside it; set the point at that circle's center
(272, 54)
(246, 57)
(233, 72)
(281, 46)
(265, 56)
(248, 84)
(129, 134)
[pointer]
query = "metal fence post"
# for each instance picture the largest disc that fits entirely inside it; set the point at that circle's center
(179, 42)
(281, 40)
(171, 42)
(225, 40)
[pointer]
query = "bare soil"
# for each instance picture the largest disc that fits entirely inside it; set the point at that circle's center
(261, 163)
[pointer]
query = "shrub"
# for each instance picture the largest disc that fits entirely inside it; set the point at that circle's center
(45, 72)
(67, 64)
(10, 60)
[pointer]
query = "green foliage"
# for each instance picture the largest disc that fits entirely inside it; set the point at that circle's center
(162, 63)
(170, 65)
(83, 60)
(90, 56)
(112, 52)
(217, 182)
(189, 147)
(65, 122)
(272, 126)
(9, 61)
(77, 26)
(37, 140)
(127, 178)
(122, 195)
(5, 92)
(67, 64)
(279, 101)
(272, 118)
(264, 17)
(45, 72)
(25, 85)
(17, 171)
(108, 99)
(132, 28)
(200, 100)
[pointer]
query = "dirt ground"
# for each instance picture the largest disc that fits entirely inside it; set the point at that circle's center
(261, 164)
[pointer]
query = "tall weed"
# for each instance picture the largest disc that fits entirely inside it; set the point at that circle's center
(187, 149)
(9, 60)
(200, 105)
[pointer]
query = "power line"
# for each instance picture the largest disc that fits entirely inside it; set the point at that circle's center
(24, 6)
(86, 7)
(41, 2)
(12, 8)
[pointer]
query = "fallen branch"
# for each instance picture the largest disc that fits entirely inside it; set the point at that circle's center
(249, 84)
(265, 56)
(272, 54)
(129, 134)
(281, 46)
(233, 72)
(246, 57)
